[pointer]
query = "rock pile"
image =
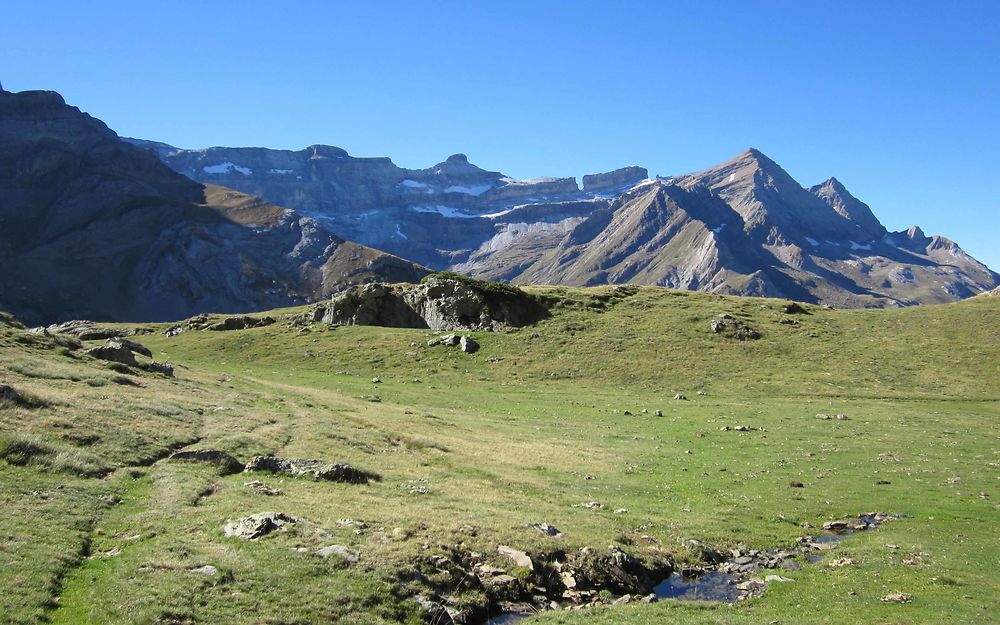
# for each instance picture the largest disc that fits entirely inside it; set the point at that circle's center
(727, 325)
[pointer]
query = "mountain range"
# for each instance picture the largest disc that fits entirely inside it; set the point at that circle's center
(99, 226)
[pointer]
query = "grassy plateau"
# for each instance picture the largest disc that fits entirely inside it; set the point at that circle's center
(99, 527)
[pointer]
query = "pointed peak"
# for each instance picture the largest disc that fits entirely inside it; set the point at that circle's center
(916, 233)
(831, 185)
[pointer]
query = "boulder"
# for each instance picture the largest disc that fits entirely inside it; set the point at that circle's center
(545, 528)
(348, 555)
(519, 558)
(257, 525)
(135, 347)
(729, 326)
(163, 368)
(468, 345)
(114, 351)
(227, 463)
(317, 469)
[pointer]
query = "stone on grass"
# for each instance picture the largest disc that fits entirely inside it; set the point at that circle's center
(208, 569)
(316, 469)
(519, 558)
(468, 344)
(257, 525)
(348, 555)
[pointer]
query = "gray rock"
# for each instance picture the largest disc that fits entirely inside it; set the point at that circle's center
(519, 558)
(85, 330)
(680, 397)
(257, 525)
(545, 528)
(317, 469)
(114, 351)
(135, 347)
(346, 554)
(208, 569)
(163, 368)
(451, 340)
(658, 413)
(468, 345)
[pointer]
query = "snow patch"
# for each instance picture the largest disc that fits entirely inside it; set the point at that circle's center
(478, 189)
(446, 211)
(719, 229)
(225, 168)
(400, 232)
(812, 242)
(413, 184)
(732, 177)
(857, 246)
(279, 171)
(495, 215)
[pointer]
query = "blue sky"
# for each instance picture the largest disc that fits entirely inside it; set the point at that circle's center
(899, 100)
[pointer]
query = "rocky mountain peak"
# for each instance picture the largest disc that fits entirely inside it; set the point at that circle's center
(854, 210)
(916, 233)
(457, 159)
(614, 180)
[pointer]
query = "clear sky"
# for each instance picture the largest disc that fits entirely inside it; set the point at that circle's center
(898, 100)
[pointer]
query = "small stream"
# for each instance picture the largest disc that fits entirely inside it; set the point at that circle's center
(723, 586)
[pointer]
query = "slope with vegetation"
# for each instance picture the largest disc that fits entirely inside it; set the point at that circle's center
(101, 527)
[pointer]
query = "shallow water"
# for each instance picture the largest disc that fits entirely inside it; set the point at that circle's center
(507, 618)
(711, 586)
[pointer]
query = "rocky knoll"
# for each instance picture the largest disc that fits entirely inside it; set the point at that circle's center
(439, 303)
(94, 227)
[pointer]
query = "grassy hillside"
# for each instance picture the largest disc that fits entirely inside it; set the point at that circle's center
(472, 447)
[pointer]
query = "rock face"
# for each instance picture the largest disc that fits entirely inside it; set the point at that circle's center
(617, 180)
(743, 227)
(98, 228)
(438, 304)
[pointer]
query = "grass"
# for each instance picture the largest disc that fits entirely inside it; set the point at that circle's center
(474, 447)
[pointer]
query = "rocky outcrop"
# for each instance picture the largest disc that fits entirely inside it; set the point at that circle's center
(440, 303)
(257, 525)
(617, 180)
(316, 469)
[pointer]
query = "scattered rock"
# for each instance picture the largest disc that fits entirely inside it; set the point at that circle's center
(658, 413)
(897, 597)
(261, 489)
(841, 417)
(545, 528)
(823, 417)
(227, 463)
(208, 569)
(257, 525)
(840, 563)
(794, 484)
(376, 380)
(680, 397)
(163, 368)
(777, 578)
(727, 325)
(519, 558)
(794, 308)
(316, 469)
(468, 345)
(451, 340)
(621, 511)
(751, 585)
(349, 556)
